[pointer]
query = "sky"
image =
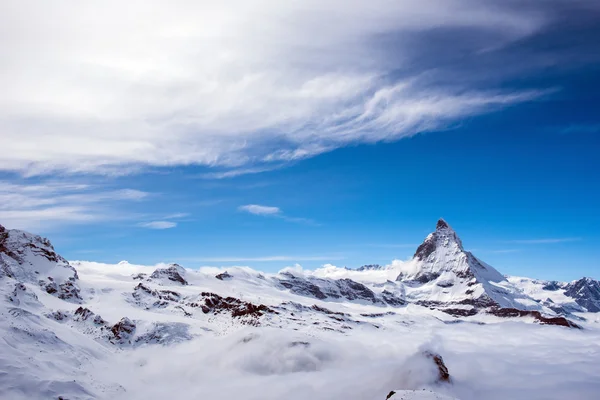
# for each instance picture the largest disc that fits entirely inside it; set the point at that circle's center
(269, 134)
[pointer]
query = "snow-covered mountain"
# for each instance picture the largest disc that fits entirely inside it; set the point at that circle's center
(582, 295)
(83, 330)
(443, 275)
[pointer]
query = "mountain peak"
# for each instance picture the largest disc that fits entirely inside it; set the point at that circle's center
(444, 236)
(441, 224)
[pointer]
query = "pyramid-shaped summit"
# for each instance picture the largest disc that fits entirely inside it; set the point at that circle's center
(442, 274)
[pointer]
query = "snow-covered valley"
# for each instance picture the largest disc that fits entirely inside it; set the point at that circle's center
(86, 330)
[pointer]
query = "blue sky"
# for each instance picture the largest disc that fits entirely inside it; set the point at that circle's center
(343, 147)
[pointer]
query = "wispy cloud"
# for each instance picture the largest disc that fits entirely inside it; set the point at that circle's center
(546, 240)
(270, 211)
(165, 222)
(158, 224)
(232, 173)
(49, 204)
(176, 216)
(504, 251)
(257, 209)
(257, 89)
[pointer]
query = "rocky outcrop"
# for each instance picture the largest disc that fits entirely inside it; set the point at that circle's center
(369, 267)
(174, 273)
(151, 298)
(443, 374)
(223, 276)
(32, 259)
(536, 315)
(215, 304)
(123, 330)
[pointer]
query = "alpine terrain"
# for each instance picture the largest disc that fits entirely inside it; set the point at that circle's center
(443, 325)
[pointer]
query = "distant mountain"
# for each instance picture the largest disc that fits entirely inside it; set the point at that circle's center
(577, 296)
(446, 276)
(369, 267)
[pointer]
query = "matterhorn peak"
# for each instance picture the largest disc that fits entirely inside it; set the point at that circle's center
(441, 224)
(444, 236)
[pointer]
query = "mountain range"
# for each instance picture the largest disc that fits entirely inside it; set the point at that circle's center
(63, 316)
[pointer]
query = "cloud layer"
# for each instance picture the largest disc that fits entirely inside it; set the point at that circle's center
(43, 205)
(109, 88)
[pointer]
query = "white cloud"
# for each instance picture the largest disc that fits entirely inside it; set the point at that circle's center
(159, 224)
(109, 88)
(46, 205)
(268, 211)
(257, 209)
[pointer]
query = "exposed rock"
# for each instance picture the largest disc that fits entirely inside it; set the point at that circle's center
(123, 330)
(213, 303)
(421, 394)
(460, 312)
(147, 297)
(514, 313)
(444, 375)
(223, 275)
(21, 296)
(173, 273)
(301, 286)
(139, 277)
(392, 299)
(347, 289)
(68, 290)
(552, 286)
(369, 267)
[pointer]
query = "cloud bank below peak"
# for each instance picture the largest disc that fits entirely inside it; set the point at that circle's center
(239, 84)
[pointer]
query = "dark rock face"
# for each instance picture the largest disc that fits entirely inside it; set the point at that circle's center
(543, 320)
(391, 299)
(425, 249)
(160, 298)
(301, 286)
(460, 312)
(213, 303)
(586, 293)
(444, 375)
(427, 277)
(171, 273)
(352, 290)
(85, 314)
(223, 276)
(139, 277)
(552, 286)
(335, 289)
(441, 224)
(123, 330)
(369, 267)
